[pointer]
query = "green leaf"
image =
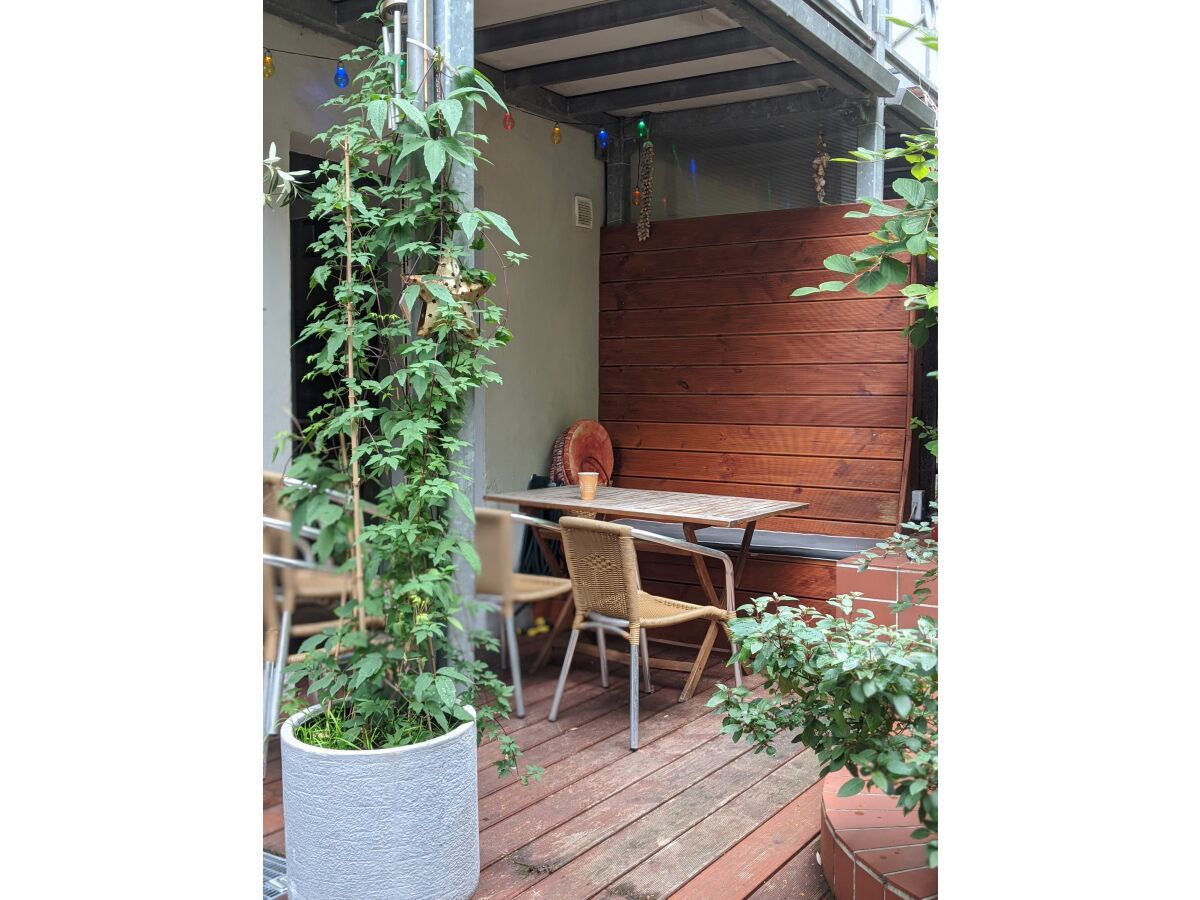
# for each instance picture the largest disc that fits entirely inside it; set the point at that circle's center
(486, 86)
(377, 115)
(917, 245)
(371, 663)
(445, 690)
(840, 262)
(856, 214)
(911, 190)
(832, 285)
(805, 291)
(893, 270)
(435, 159)
(452, 112)
(914, 224)
(902, 703)
(919, 170)
(851, 787)
(500, 223)
(413, 114)
(870, 282)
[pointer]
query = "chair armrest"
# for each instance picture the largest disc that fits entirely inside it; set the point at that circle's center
(305, 532)
(536, 523)
(698, 550)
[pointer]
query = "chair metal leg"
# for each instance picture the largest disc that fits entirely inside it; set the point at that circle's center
(285, 638)
(514, 651)
(268, 682)
(645, 651)
(562, 677)
(603, 657)
(633, 696)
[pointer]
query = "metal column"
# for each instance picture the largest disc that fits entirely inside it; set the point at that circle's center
(872, 134)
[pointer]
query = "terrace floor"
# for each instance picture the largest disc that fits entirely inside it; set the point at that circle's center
(689, 815)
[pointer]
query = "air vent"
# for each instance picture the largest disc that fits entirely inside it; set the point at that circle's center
(583, 212)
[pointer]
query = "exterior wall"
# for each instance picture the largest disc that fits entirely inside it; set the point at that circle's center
(550, 369)
(291, 116)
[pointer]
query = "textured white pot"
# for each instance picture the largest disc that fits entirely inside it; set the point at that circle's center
(401, 824)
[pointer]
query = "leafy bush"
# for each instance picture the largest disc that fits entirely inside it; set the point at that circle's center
(860, 694)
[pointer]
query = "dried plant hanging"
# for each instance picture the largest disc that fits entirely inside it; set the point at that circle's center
(644, 188)
(820, 161)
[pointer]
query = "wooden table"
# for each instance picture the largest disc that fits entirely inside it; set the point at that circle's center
(689, 510)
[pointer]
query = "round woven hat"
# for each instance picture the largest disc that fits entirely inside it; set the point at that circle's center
(584, 447)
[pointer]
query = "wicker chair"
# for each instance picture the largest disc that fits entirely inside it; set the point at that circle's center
(602, 560)
(494, 544)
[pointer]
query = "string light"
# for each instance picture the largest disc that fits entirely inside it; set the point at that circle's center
(556, 134)
(637, 197)
(340, 78)
(643, 130)
(509, 122)
(268, 64)
(602, 139)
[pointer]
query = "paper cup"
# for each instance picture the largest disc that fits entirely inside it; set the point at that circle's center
(587, 485)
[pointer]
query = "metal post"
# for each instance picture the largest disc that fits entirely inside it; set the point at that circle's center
(616, 171)
(872, 133)
(453, 33)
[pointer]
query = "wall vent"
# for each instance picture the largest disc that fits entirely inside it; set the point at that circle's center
(583, 212)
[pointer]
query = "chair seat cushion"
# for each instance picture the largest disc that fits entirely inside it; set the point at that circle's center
(530, 588)
(776, 543)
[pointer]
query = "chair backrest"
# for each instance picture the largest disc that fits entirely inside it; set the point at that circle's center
(494, 544)
(602, 560)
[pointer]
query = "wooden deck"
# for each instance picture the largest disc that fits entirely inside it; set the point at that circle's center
(689, 815)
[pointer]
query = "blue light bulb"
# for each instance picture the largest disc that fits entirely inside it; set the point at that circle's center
(692, 166)
(602, 137)
(340, 78)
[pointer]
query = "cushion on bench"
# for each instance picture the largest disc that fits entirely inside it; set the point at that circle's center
(776, 543)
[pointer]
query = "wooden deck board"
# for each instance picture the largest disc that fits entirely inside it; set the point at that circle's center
(689, 806)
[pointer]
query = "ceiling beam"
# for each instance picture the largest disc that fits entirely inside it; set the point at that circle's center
(911, 110)
(765, 110)
(795, 28)
(584, 19)
(690, 88)
(542, 102)
(321, 16)
(632, 59)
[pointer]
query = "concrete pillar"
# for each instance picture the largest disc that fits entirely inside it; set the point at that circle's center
(872, 134)
(453, 33)
(617, 179)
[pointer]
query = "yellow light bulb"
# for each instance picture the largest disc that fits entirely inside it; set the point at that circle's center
(555, 134)
(268, 64)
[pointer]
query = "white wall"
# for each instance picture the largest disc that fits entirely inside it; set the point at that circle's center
(551, 367)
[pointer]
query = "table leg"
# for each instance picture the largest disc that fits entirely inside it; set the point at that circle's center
(702, 569)
(743, 554)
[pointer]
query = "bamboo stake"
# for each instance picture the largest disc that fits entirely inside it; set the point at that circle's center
(355, 483)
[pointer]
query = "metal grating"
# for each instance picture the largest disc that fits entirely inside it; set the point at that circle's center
(274, 876)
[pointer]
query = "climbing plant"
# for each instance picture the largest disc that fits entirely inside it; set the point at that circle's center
(406, 336)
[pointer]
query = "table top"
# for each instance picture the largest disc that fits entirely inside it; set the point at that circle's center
(656, 506)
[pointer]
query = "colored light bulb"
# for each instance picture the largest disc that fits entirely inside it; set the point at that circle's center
(692, 166)
(642, 129)
(268, 64)
(556, 134)
(637, 197)
(340, 78)
(509, 122)
(602, 139)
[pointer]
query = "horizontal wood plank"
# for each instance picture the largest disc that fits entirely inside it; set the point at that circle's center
(740, 409)
(856, 379)
(726, 290)
(726, 259)
(756, 349)
(794, 577)
(797, 440)
(847, 506)
(867, 314)
(739, 228)
(864, 474)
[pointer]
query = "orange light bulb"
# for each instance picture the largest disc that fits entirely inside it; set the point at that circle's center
(637, 197)
(556, 134)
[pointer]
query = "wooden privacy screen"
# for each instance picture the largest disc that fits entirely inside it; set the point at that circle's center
(714, 379)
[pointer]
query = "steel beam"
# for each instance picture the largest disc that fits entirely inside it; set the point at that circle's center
(911, 111)
(689, 88)
(597, 17)
(795, 28)
(543, 102)
(768, 109)
(320, 16)
(632, 59)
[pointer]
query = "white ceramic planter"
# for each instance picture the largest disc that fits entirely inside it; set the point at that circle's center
(401, 824)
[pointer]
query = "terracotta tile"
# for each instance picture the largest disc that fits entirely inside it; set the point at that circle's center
(907, 618)
(908, 583)
(894, 859)
(870, 818)
(858, 839)
(843, 874)
(875, 584)
(862, 800)
(884, 613)
(865, 886)
(920, 882)
(827, 852)
(889, 894)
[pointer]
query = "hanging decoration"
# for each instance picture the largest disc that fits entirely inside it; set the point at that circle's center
(637, 197)
(556, 134)
(645, 186)
(509, 121)
(643, 129)
(340, 78)
(818, 166)
(602, 139)
(268, 64)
